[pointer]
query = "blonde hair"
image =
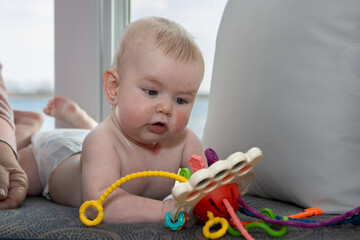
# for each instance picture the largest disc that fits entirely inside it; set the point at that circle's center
(169, 36)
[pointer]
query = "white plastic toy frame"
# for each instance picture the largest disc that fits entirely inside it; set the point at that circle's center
(222, 172)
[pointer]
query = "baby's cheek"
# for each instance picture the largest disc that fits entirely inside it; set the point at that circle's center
(181, 121)
(132, 118)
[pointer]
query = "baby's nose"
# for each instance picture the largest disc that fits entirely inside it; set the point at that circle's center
(164, 107)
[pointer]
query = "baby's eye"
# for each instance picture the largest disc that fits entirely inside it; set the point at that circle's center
(151, 92)
(180, 101)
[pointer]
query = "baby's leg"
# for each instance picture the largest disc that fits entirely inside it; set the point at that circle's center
(27, 123)
(69, 112)
(65, 182)
(29, 165)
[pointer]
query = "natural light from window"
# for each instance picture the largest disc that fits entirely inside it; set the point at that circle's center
(27, 53)
(27, 45)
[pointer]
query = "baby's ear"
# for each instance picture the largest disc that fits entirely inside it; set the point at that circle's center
(110, 83)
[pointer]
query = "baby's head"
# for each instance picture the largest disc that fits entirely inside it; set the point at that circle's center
(168, 35)
(155, 77)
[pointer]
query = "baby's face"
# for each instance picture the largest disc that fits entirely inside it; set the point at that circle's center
(156, 94)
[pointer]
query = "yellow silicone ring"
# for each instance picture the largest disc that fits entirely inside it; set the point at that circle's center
(213, 221)
(98, 206)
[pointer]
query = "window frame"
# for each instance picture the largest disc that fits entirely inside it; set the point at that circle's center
(84, 48)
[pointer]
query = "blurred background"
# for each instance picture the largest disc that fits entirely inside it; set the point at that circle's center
(27, 46)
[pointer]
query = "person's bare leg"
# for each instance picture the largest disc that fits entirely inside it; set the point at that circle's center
(27, 123)
(7, 126)
(13, 179)
(68, 111)
(29, 165)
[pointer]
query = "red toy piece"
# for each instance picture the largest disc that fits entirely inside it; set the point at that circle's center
(213, 202)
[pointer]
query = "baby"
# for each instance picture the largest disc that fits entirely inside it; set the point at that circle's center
(151, 87)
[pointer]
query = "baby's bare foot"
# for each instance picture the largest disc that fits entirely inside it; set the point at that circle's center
(68, 111)
(27, 123)
(29, 118)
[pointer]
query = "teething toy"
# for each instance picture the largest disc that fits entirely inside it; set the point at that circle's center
(213, 195)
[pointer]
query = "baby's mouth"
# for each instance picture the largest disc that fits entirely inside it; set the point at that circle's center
(157, 127)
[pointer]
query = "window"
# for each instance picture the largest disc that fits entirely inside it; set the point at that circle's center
(27, 53)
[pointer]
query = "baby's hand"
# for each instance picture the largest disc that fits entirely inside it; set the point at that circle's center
(167, 206)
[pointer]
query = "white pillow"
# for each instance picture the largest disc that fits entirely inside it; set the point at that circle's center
(286, 79)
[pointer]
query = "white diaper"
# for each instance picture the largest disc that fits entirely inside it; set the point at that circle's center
(52, 147)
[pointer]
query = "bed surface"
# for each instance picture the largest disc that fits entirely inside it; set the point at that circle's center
(39, 218)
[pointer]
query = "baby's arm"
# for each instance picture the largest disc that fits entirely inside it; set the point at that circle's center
(100, 168)
(192, 146)
(122, 207)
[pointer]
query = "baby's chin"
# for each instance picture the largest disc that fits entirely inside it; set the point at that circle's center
(149, 142)
(149, 138)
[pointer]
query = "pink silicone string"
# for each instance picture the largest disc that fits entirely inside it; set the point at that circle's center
(236, 220)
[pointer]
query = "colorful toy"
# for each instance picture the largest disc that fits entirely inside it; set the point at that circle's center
(203, 182)
(213, 195)
(352, 216)
(213, 221)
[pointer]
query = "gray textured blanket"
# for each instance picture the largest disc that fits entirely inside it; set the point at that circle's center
(38, 218)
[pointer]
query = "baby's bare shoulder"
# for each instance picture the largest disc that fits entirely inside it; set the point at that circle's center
(95, 136)
(99, 144)
(190, 137)
(192, 146)
(99, 140)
